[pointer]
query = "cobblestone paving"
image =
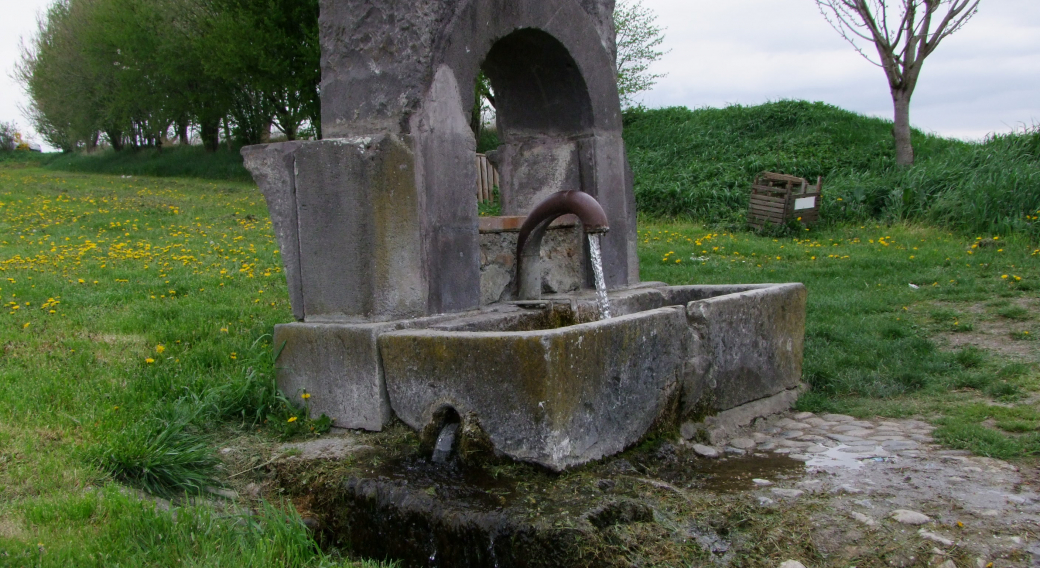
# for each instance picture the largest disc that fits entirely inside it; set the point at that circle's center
(891, 475)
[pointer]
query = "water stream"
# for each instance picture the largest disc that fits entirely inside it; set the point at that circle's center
(601, 283)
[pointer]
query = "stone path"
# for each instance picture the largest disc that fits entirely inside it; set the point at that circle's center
(807, 437)
(881, 475)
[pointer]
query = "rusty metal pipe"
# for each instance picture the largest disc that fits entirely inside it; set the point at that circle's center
(529, 244)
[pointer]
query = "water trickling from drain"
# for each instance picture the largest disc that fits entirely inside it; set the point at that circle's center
(601, 283)
(445, 443)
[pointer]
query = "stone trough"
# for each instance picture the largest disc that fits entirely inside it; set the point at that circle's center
(552, 394)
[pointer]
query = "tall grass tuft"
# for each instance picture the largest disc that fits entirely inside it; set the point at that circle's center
(165, 456)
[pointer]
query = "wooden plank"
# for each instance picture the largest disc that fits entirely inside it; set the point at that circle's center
(768, 198)
(768, 210)
(773, 220)
(767, 207)
(757, 199)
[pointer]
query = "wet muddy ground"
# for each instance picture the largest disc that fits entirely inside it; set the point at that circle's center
(825, 490)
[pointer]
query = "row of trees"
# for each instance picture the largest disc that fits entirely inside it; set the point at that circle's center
(131, 72)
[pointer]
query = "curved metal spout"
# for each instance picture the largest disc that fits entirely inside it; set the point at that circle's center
(529, 244)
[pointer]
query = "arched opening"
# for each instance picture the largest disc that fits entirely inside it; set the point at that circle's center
(542, 110)
(542, 117)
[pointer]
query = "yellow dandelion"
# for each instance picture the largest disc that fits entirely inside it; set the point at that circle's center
(292, 419)
(160, 348)
(26, 325)
(305, 395)
(149, 360)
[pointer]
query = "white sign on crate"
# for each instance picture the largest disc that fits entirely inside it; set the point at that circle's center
(804, 203)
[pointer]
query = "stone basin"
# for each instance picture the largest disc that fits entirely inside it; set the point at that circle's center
(547, 383)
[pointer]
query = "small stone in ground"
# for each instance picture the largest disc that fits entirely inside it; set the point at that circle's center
(792, 564)
(803, 415)
(788, 493)
(705, 451)
(908, 517)
(863, 519)
(743, 443)
(762, 482)
(928, 535)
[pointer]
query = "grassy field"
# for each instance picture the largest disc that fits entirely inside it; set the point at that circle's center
(136, 334)
(136, 338)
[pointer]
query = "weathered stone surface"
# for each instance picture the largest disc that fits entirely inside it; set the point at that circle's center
(360, 230)
(756, 341)
(908, 517)
(338, 365)
(706, 451)
(558, 398)
(273, 168)
(563, 263)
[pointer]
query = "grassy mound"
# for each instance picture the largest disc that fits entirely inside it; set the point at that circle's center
(700, 164)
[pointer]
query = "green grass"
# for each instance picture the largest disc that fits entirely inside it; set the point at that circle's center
(699, 164)
(134, 335)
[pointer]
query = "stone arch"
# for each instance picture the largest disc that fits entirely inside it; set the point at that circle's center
(552, 64)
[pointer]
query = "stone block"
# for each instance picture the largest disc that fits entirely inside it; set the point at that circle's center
(360, 227)
(273, 168)
(338, 365)
(754, 342)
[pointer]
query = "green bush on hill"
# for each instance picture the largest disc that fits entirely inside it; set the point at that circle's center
(700, 164)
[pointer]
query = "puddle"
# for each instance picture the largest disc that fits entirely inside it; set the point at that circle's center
(731, 475)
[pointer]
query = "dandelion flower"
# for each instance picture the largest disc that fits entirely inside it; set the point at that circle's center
(160, 348)
(292, 419)
(305, 395)
(149, 360)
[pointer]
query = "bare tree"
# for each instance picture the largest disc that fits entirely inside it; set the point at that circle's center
(904, 33)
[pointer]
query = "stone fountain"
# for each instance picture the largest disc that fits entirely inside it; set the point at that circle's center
(411, 307)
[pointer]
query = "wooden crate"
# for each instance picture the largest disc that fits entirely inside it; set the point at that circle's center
(777, 199)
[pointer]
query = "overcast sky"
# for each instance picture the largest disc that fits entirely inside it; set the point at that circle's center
(984, 79)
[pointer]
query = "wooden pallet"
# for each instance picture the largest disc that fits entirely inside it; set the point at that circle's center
(777, 199)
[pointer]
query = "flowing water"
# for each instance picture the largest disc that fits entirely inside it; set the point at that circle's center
(601, 283)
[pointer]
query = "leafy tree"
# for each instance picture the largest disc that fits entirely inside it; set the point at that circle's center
(55, 74)
(903, 33)
(639, 41)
